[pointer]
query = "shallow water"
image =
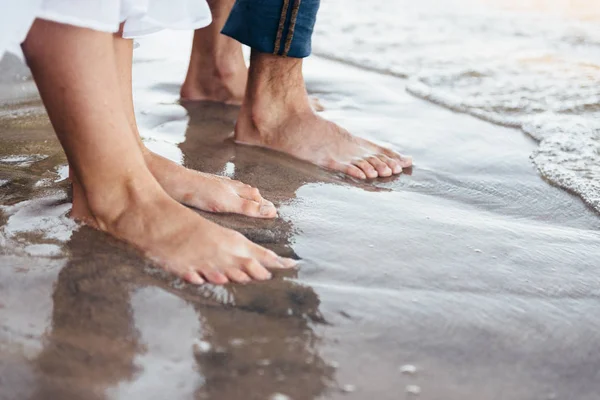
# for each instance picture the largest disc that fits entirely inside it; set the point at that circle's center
(467, 277)
(528, 64)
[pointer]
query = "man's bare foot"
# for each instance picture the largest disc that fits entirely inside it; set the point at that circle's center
(208, 192)
(176, 238)
(309, 137)
(277, 114)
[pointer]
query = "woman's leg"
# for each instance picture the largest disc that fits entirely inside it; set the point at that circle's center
(75, 70)
(192, 188)
(217, 71)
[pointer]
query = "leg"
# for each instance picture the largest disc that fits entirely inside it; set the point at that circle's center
(276, 111)
(75, 70)
(195, 189)
(217, 71)
(277, 114)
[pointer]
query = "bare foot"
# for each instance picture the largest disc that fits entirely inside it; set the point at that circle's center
(309, 137)
(208, 192)
(277, 114)
(177, 239)
(225, 84)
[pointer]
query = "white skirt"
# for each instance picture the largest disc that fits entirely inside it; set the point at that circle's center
(141, 17)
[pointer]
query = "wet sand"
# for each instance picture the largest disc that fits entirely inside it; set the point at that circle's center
(469, 268)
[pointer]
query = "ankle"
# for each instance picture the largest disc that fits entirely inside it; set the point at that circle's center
(221, 69)
(108, 205)
(275, 88)
(221, 61)
(268, 109)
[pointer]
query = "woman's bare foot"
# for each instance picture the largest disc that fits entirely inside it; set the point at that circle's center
(114, 190)
(217, 70)
(277, 114)
(218, 81)
(208, 192)
(174, 237)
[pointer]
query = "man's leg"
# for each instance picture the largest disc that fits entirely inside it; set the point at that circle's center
(276, 111)
(217, 71)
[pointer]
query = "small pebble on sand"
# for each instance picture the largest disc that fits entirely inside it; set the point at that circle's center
(280, 396)
(408, 369)
(348, 388)
(237, 342)
(413, 389)
(202, 346)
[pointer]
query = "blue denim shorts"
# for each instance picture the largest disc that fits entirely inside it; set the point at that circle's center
(281, 27)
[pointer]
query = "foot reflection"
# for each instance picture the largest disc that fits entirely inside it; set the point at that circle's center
(120, 333)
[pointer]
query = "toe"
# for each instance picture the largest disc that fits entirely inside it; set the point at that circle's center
(193, 277)
(250, 193)
(270, 259)
(214, 276)
(236, 275)
(394, 165)
(254, 269)
(355, 172)
(366, 167)
(382, 168)
(263, 209)
(348, 169)
(405, 161)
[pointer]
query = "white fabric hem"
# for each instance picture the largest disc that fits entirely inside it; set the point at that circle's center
(78, 22)
(158, 26)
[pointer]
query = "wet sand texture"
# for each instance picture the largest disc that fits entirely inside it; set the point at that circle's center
(471, 269)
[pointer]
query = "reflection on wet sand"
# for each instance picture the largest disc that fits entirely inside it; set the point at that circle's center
(257, 343)
(119, 332)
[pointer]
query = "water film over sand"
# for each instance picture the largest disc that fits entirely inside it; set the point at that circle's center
(468, 277)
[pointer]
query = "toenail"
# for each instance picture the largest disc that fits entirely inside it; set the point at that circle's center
(266, 208)
(288, 262)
